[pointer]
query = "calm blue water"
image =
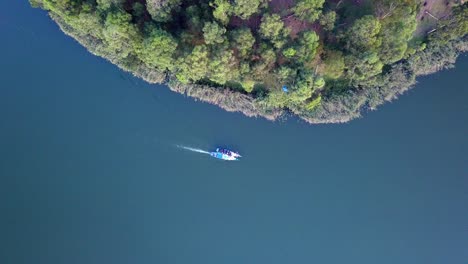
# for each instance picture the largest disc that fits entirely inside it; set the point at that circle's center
(90, 172)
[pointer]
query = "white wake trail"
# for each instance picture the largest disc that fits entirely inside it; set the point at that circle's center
(193, 149)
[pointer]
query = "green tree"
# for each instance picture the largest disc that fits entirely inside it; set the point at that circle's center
(121, 36)
(314, 103)
(333, 64)
(300, 92)
(364, 35)
(273, 29)
(289, 52)
(223, 66)
(158, 49)
(307, 48)
(242, 40)
(265, 64)
(213, 33)
(309, 10)
(363, 66)
(327, 20)
(398, 26)
(245, 8)
(63, 8)
(106, 4)
(161, 10)
(222, 10)
(193, 67)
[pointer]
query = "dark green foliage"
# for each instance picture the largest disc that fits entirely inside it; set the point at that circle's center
(333, 64)
(327, 20)
(364, 35)
(160, 10)
(397, 29)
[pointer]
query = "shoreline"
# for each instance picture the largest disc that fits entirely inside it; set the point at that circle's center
(336, 109)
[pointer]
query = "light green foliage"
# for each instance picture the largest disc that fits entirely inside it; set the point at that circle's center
(307, 48)
(222, 66)
(302, 90)
(219, 66)
(122, 37)
(309, 10)
(194, 67)
(363, 43)
(364, 35)
(319, 83)
(63, 8)
(158, 49)
(327, 20)
(87, 23)
(222, 10)
(314, 103)
(243, 40)
(213, 33)
(248, 85)
(160, 10)
(289, 52)
(272, 28)
(333, 64)
(245, 8)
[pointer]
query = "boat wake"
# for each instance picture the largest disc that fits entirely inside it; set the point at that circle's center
(193, 149)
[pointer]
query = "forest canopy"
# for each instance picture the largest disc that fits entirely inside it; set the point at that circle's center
(316, 49)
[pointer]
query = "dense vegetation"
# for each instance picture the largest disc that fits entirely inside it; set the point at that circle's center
(335, 57)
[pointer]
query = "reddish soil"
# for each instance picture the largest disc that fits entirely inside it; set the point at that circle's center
(253, 22)
(279, 6)
(296, 25)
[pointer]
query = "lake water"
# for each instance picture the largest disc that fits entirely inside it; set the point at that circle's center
(90, 172)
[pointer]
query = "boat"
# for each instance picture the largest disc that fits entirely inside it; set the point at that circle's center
(225, 154)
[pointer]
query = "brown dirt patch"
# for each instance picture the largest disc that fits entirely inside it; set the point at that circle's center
(297, 25)
(429, 13)
(280, 6)
(253, 22)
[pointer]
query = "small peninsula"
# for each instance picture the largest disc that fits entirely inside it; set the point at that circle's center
(323, 61)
